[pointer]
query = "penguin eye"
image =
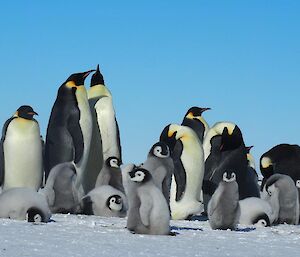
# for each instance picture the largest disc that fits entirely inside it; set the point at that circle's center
(113, 200)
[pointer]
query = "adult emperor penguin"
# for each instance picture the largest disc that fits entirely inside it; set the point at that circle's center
(195, 121)
(188, 173)
(21, 161)
(22, 203)
(283, 159)
(70, 127)
(282, 194)
(152, 215)
(111, 174)
(256, 211)
(223, 207)
(105, 201)
(106, 117)
(160, 164)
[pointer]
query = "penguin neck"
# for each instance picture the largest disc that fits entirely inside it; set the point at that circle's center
(98, 91)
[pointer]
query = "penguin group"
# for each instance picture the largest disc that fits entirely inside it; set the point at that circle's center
(192, 170)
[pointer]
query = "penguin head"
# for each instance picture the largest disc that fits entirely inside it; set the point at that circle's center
(195, 113)
(77, 79)
(266, 166)
(170, 141)
(139, 175)
(25, 112)
(262, 220)
(115, 203)
(298, 184)
(113, 162)
(231, 139)
(160, 150)
(179, 132)
(35, 215)
(97, 78)
(229, 176)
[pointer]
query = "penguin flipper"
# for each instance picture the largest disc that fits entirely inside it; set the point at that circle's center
(145, 208)
(179, 171)
(77, 137)
(118, 139)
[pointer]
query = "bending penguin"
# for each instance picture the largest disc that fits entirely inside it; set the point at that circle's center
(160, 164)
(106, 119)
(21, 160)
(70, 126)
(105, 201)
(195, 121)
(223, 208)
(24, 204)
(150, 213)
(188, 172)
(282, 194)
(111, 174)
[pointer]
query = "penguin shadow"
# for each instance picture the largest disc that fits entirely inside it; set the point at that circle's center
(244, 229)
(197, 218)
(183, 229)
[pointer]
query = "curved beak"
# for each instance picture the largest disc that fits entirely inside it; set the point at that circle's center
(85, 74)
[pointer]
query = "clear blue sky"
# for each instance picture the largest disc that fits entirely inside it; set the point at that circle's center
(241, 58)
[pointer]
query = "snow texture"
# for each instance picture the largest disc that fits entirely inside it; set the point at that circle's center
(91, 236)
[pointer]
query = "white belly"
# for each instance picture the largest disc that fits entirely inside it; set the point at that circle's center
(23, 155)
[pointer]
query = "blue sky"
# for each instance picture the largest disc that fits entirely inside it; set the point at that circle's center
(241, 58)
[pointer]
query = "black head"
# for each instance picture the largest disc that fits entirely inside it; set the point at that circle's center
(160, 150)
(26, 112)
(231, 141)
(262, 220)
(35, 215)
(266, 166)
(97, 78)
(196, 111)
(77, 79)
(140, 175)
(113, 162)
(114, 203)
(170, 141)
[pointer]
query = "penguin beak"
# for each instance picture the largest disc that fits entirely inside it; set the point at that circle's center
(85, 74)
(205, 109)
(248, 148)
(33, 113)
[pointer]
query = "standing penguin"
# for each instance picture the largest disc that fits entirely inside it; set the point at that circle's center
(283, 159)
(195, 121)
(160, 165)
(188, 172)
(21, 160)
(70, 126)
(282, 194)
(223, 208)
(152, 215)
(106, 119)
(111, 174)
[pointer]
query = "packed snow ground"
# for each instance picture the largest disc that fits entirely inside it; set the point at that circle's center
(90, 236)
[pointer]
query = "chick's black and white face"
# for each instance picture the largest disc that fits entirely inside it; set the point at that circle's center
(115, 203)
(159, 152)
(261, 223)
(298, 184)
(114, 162)
(229, 177)
(37, 218)
(138, 176)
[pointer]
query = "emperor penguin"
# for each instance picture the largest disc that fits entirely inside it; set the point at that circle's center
(188, 173)
(111, 174)
(195, 121)
(283, 159)
(60, 189)
(223, 207)
(150, 214)
(22, 203)
(282, 194)
(70, 127)
(256, 211)
(21, 160)
(160, 164)
(105, 201)
(106, 118)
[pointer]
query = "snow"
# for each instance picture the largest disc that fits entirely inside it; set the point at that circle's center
(80, 235)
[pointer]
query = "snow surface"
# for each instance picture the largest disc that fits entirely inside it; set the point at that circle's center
(90, 236)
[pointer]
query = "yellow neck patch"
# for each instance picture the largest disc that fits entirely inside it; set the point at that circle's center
(98, 91)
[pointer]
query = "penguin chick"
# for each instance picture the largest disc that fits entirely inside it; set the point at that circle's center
(104, 201)
(22, 203)
(152, 212)
(60, 190)
(282, 194)
(21, 160)
(111, 174)
(257, 212)
(223, 208)
(195, 121)
(160, 165)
